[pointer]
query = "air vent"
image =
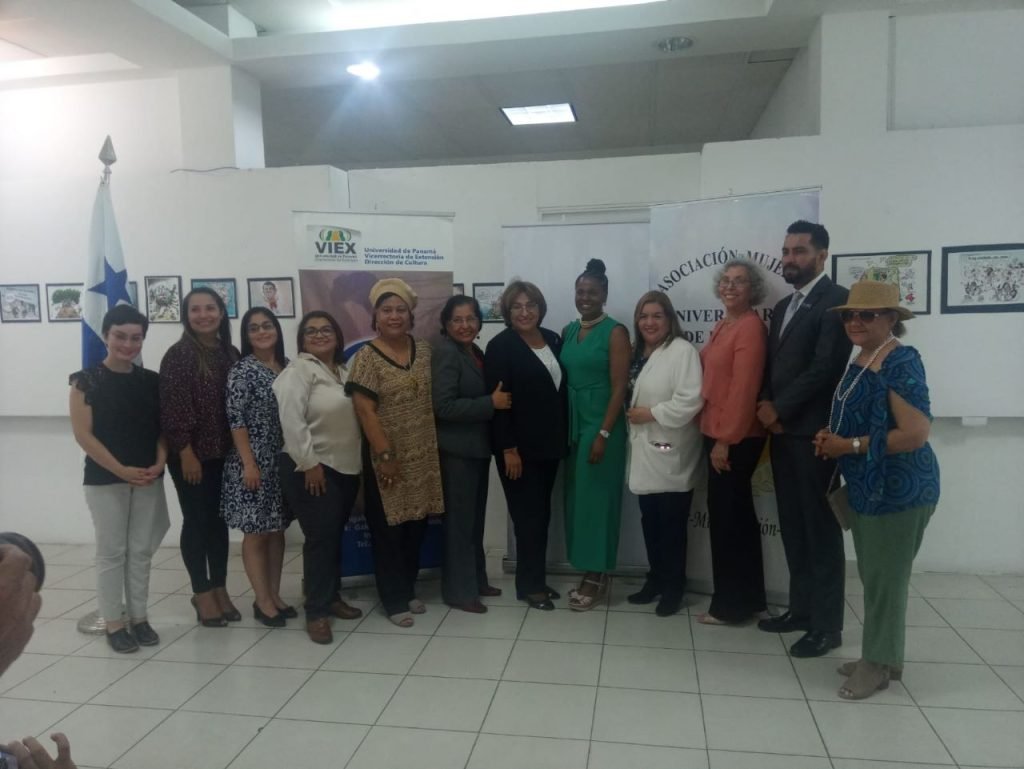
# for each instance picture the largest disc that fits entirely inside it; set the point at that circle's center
(766, 57)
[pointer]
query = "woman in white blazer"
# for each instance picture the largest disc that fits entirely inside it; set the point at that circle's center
(665, 445)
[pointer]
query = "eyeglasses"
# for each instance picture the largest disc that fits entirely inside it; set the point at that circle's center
(734, 283)
(864, 316)
(528, 307)
(311, 331)
(255, 328)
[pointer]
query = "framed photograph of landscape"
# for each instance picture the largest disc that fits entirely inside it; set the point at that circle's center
(163, 298)
(64, 302)
(910, 270)
(489, 297)
(226, 288)
(986, 278)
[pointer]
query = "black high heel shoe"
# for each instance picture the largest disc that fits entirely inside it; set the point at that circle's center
(217, 621)
(278, 620)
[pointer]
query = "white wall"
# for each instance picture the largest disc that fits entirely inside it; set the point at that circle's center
(963, 69)
(795, 107)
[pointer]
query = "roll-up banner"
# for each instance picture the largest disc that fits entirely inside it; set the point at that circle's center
(690, 243)
(340, 256)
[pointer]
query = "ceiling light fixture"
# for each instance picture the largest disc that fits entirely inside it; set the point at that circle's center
(366, 70)
(540, 114)
(674, 44)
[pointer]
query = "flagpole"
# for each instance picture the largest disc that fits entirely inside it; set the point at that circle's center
(92, 623)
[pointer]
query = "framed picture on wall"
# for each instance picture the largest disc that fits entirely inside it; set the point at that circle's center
(64, 302)
(988, 278)
(225, 287)
(163, 298)
(133, 293)
(19, 303)
(276, 294)
(489, 296)
(911, 271)
(458, 288)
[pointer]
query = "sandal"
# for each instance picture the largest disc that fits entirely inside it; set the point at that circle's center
(867, 679)
(847, 669)
(578, 601)
(707, 618)
(402, 619)
(416, 606)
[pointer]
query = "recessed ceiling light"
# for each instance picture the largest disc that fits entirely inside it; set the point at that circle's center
(540, 114)
(674, 44)
(366, 70)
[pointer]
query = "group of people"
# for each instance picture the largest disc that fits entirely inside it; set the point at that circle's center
(253, 440)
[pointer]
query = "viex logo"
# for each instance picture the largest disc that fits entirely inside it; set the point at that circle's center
(337, 242)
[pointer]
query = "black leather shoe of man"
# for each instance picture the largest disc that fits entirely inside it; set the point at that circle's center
(784, 623)
(122, 642)
(644, 595)
(816, 644)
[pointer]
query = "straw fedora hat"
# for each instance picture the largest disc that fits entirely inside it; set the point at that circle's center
(875, 295)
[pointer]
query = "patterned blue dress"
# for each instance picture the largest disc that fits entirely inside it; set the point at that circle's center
(881, 483)
(251, 404)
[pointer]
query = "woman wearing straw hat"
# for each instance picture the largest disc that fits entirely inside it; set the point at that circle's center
(878, 430)
(390, 383)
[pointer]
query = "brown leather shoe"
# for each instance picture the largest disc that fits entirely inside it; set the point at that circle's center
(342, 610)
(473, 607)
(319, 631)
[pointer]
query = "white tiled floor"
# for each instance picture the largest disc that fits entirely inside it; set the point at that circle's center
(618, 688)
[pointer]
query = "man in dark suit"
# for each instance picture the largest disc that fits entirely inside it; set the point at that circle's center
(807, 354)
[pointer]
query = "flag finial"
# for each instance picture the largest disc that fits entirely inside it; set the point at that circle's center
(108, 157)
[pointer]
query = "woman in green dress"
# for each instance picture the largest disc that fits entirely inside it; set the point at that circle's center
(595, 353)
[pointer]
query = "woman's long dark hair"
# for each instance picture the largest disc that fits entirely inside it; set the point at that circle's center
(339, 350)
(246, 343)
(223, 330)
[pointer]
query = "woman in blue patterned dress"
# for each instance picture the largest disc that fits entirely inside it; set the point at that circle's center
(251, 499)
(878, 430)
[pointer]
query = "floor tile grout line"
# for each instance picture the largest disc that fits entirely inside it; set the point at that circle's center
(494, 694)
(597, 692)
(700, 696)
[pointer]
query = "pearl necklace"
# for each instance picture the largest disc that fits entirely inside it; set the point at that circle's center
(841, 395)
(594, 322)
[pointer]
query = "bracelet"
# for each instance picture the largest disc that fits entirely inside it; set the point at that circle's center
(384, 456)
(604, 433)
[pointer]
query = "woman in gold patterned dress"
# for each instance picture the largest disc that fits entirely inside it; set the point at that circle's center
(389, 382)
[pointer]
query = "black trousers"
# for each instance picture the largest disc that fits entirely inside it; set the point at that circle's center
(322, 520)
(664, 518)
(810, 534)
(736, 560)
(529, 506)
(464, 570)
(396, 549)
(204, 535)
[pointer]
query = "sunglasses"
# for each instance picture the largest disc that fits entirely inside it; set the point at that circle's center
(864, 316)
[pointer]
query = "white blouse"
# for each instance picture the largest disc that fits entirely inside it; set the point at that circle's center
(318, 419)
(550, 363)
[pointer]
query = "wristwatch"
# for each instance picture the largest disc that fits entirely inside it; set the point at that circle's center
(604, 434)
(856, 445)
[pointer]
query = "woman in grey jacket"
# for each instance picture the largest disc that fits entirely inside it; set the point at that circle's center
(463, 409)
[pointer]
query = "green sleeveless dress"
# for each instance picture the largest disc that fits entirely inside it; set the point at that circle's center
(593, 493)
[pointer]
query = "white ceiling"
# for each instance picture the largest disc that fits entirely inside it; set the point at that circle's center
(438, 98)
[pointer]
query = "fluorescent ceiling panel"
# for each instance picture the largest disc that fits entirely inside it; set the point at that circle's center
(369, 14)
(540, 114)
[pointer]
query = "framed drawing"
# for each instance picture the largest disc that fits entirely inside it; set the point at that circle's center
(225, 288)
(986, 278)
(458, 288)
(911, 271)
(19, 303)
(489, 296)
(64, 302)
(163, 298)
(133, 293)
(276, 294)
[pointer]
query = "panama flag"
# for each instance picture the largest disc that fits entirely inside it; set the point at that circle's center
(106, 278)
